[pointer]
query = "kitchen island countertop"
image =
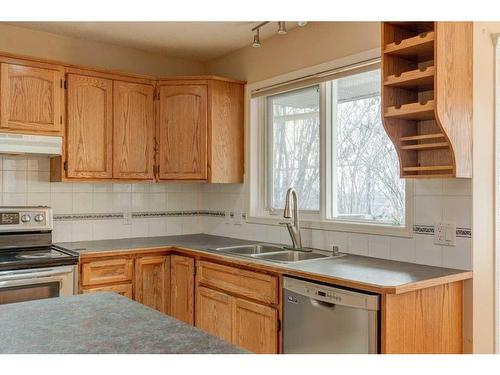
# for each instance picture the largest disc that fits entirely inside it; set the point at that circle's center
(104, 323)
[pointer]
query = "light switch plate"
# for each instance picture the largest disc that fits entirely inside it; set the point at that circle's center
(227, 216)
(238, 217)
(445, 234)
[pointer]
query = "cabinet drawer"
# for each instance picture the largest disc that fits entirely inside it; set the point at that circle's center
(107, 271)
(123, 289)
(250, 284)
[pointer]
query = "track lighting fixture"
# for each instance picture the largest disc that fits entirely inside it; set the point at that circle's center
(281, 30)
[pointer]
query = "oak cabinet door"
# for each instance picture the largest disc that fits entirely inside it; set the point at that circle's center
(107, 271)
(133, 130)
(152, 282)
(213, 312)
(31, 99)
(89, 127)
(122, 289)
(182, 132)
(182, 288)
(255, 326)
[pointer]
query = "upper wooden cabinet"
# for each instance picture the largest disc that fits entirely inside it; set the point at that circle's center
(133, 130)
(427, 96)
(31, 99)
(182, 132)
(200, 129)
(89, 140)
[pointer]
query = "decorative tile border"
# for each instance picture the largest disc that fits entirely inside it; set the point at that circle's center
(417, 229)
(429, 230)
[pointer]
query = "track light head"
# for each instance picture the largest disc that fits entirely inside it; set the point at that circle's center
(281, 28)
(256, 40)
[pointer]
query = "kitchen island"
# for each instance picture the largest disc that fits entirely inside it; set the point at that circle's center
(99, 323)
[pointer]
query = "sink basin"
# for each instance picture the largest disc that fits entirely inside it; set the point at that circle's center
(291, 256)
(251, 249)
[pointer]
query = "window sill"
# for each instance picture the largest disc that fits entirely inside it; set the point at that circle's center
(338, 226)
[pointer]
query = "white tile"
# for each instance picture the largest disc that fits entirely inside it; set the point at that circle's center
(174, 226)
(458, 210)
(358, 244)
(102, 202)
(429, 187)
(457, 186)
(82, 230)
(459, 256)
(38, 182)
(378, 247)
(82, 203)
(158, 188)
(14, 163)
(103, 187)
(340, 239)
(38, 199)
(426, 252)
(141, 202)
(174, 201)
(190, 225)
(122, 188)
(158, 202)
(102, 229)
(141, 188)
(41, 163)
(320, 239)
(14, 181)
(121, 230)
(14, 199)
(306, 236)
(402, 249)
(62, 231)
(61, 187)
(122, 202)
(62, 203)
(83, 187)
(428, 209)
(139, 228)
(157, 226)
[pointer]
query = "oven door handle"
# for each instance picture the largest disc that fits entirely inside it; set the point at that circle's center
(39, 280)
(20, 275)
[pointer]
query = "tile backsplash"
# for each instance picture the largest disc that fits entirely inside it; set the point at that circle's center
(177, 208)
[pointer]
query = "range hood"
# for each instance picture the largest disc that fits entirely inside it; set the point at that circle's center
(19, 144)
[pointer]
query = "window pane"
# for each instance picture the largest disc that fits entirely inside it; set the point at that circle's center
(367, 168)
(293, 157)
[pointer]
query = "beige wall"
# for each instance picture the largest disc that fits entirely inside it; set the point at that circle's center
(316, 43)
(483, 189)
(40, 44)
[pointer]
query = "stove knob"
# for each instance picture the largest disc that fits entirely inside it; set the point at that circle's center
(39, 218)
(25, 218)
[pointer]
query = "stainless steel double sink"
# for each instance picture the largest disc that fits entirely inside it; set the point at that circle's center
(274, 253)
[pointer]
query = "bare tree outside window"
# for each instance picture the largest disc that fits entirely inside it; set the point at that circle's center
(367, 176)
(293, 120)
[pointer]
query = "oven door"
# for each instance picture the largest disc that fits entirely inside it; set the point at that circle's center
(31, 284)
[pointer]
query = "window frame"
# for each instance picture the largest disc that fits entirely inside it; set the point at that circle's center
(257, 158)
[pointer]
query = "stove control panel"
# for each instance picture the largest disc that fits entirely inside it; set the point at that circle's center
(14, 219)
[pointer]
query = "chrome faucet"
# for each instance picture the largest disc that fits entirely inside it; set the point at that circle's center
(292, 212)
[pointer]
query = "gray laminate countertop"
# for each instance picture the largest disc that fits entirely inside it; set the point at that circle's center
(362, 272)
(99, 323)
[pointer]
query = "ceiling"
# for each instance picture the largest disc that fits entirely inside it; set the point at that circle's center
(199, 41)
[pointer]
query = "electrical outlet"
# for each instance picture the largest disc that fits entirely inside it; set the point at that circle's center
(227, 216)
(445, 234)
(238, 217)
(127, 218)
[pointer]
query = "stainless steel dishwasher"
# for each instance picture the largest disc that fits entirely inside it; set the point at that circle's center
(321, 318)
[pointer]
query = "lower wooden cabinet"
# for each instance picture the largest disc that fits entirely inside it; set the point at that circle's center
(213, 312)
(123, 289)
(152, 282)
(182, 288)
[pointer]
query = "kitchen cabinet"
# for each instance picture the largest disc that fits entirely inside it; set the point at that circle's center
(214, 312)
(31, 99)
(133, 130)
(89, 143)
(152, 282)
(107, 271)
(427, 96)
(122, 289)
(182, 288)
(182, 132)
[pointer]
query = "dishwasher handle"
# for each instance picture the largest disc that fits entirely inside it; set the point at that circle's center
(327, 306)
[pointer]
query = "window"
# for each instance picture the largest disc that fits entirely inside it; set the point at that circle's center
(328, 142)
(293, 147)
